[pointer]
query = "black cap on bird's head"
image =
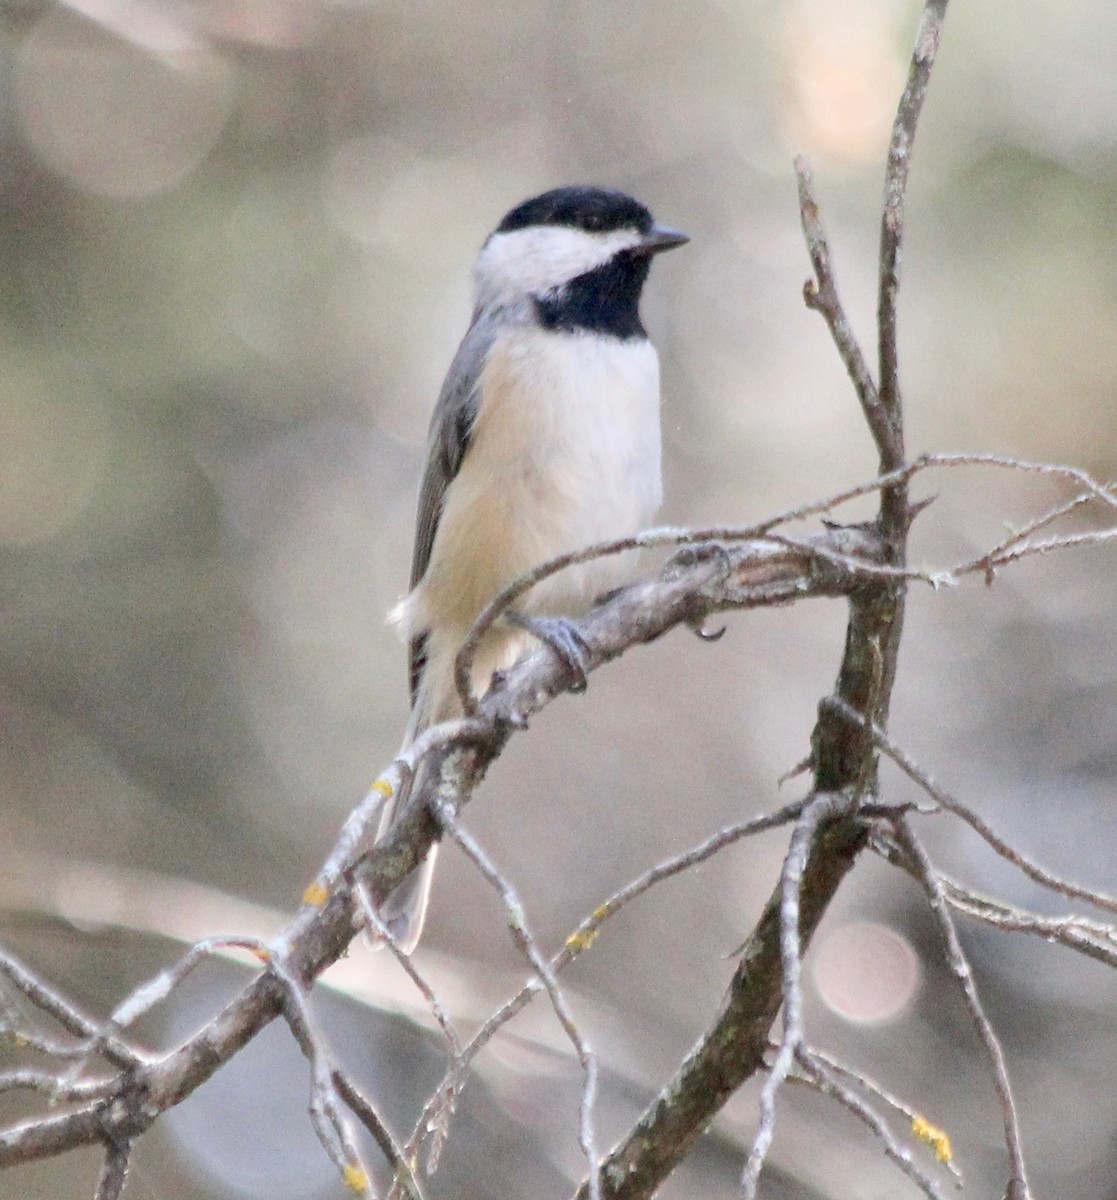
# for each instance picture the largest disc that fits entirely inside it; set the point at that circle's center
(593, 210)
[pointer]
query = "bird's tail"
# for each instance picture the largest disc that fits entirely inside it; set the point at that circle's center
(405, 910)
(436, 700)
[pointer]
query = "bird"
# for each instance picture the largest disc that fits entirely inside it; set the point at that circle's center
(545, 438)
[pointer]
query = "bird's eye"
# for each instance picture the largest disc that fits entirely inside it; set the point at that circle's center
(594, 223)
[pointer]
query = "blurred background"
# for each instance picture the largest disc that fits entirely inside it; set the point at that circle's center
(235, 240)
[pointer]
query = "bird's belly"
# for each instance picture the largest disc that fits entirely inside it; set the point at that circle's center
(565, 452)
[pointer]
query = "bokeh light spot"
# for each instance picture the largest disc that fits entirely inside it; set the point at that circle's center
(113, 117)
(846, 70)
(866, 972)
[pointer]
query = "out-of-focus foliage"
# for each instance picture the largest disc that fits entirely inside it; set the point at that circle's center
(235, 239)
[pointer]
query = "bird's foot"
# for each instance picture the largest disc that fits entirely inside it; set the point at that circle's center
(563, 638)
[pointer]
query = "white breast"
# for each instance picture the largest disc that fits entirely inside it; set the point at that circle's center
(565, 451)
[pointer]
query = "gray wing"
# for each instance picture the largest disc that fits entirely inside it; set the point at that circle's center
(447, 443)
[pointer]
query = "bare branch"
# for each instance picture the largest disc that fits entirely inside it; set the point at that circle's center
(821, 294)
(1070, 541)
(1107, 494)
(1033, 870)
(817, 1071)
(147, 995)
(726, 575)
(867, 554)
(325, 1100)
(587, 931)
(1090, 938)
(733, 1048)
(841, 1072)
(988, 561)
(528, 946)
(684, 591)
(817, 809)
(435, 1122)
(892, 220)
(46, 1136)
(960, 967)
(842, 758)
(51, 1047)
(114, 1170)
(580, 940)
(381, 931)
(98, 1038)
(51, 1085)
(405, 1182)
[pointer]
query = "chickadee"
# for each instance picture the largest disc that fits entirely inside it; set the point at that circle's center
(545, 438)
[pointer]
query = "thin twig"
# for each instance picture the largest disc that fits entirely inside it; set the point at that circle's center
(436, 1123)
(960, 967)
(860, 1079)
(1103, 492)
(818, 1074)
(1093, 939)
(325, 1101)
(526, 943)
(821, 294)
(383, 934)
(98, 1037)
(949, 803)
(816, 810)
(1089, 938)
(1070, 541)
(588, 929)
(51, 1085)
(28, 1039)
(404, 1179)
(114, 1170)
(1020, 536)
(584, 936)
(892, 220)
(144, 998)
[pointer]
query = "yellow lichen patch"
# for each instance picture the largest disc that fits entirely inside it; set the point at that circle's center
(934, 1137)
(582, 940)
(356, 1178)
(316, 895)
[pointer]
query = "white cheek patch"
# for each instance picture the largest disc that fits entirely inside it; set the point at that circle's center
(541, 258)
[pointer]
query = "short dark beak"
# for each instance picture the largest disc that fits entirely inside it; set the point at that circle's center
(658, 239)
